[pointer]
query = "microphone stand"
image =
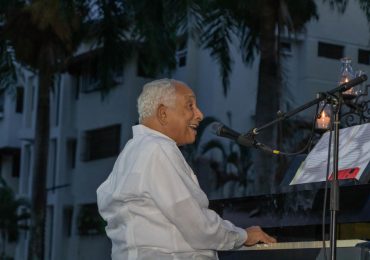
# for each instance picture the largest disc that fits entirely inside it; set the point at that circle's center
(336, 102)
(334, 191)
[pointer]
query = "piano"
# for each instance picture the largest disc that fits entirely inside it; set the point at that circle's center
(294, 217)
(346, 250)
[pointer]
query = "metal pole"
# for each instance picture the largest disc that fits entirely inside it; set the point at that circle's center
(334, 191)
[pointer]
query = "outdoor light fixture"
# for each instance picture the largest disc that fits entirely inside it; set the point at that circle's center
(347, 74)
(323, 118)
(359, 89)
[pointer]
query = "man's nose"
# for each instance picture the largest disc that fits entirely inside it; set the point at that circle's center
(199, 114)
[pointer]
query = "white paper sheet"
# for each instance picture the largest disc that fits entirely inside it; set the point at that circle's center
(354, 151)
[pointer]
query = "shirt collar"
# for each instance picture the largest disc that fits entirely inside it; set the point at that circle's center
(142, 129)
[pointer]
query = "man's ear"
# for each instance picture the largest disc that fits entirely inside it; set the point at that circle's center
(162, 114)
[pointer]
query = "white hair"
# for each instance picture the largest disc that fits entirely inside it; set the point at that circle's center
(162, 91)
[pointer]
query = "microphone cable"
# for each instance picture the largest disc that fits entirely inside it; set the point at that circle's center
(306, 147)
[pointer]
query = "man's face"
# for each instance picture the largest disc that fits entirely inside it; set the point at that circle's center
(183, 119)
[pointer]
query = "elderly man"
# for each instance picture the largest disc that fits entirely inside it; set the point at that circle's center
(152, 201)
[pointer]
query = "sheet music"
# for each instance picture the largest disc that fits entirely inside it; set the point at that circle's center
(354, 154)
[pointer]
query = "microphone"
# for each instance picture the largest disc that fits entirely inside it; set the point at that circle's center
(242, 139)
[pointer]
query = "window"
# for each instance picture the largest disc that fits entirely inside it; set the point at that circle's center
(55, 104)
(67, 221)
(27, 157)
(89, 221)
(19, 100)
(86, 71)
(16, 162)
(364, 57)
(181, 58)
(71, 153)
(144, 68)
(181, 50)
(53, 160)
(331, 51)
(102, 143)
(2, 102)
(285, 48)
(88, 83)
(49, 228)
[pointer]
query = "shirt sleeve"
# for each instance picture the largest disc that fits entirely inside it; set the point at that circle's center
(171, 188)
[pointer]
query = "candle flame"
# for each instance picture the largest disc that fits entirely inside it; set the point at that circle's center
(323, 121)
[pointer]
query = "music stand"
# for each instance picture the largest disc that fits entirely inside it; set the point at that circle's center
(331, 97)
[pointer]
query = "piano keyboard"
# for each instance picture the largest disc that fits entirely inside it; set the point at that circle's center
(302, 245)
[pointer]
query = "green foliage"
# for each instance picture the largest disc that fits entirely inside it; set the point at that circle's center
(222, 21)
(5, 257)
(235, 161)
(365, 7)
(41, 33)
(10, 215)
(339, 5)
(8, 76)
(235, 164)
(45, 34)
(108, 29)
(217, 36)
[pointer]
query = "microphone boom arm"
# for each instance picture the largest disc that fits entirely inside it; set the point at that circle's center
(321, 96)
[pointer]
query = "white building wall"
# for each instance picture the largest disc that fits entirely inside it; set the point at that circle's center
(351, 30)
(9, 141)
(9, 121)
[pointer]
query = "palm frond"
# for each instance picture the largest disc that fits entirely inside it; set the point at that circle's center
(157, 28)
(300, 12)
(8, 76)
(202, 126)
(6, 5)
(58, 16)
(339, 5)
(218, 27)
(214, 144)
(9, 216)
(109, 31)
(365, 7)
(248, 43)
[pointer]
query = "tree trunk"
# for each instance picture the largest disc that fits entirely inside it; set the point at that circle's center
(41, 147)
(268, 96)
(4, 241)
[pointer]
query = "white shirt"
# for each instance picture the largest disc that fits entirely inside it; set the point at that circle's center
(155, 208)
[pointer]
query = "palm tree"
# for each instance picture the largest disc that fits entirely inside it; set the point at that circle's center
(44, 35)
(258, 25)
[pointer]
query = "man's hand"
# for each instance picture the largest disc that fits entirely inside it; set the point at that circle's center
(256, 235)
